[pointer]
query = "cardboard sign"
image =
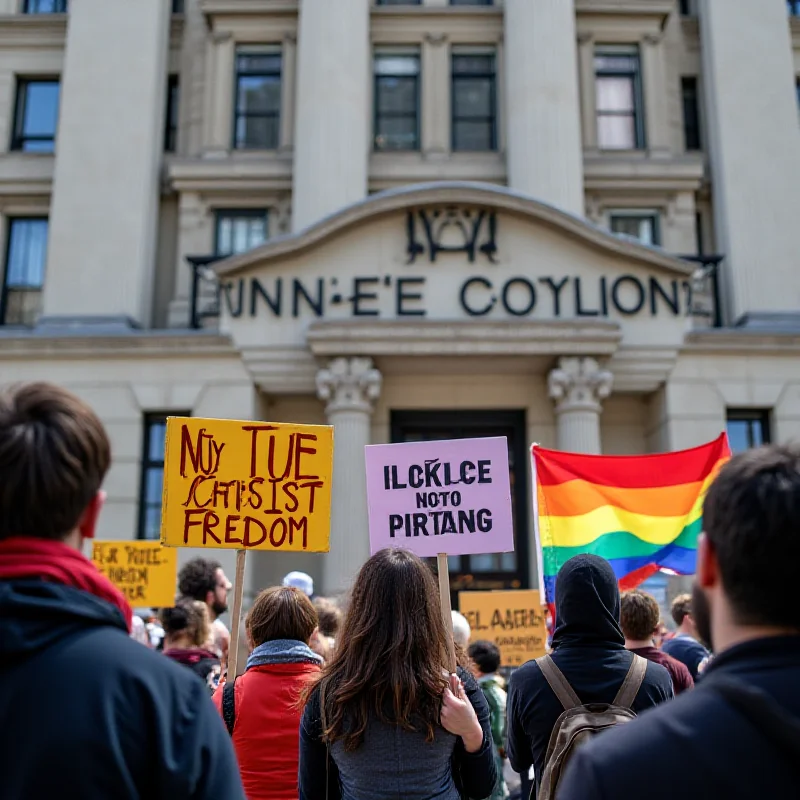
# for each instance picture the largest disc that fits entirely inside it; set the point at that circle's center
(449, 497)
(247, 485)
(513, 620)
(145, 572)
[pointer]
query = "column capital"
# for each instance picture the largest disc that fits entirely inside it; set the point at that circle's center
(579, 384)
(349, 384)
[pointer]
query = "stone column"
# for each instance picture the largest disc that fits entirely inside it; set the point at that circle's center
(655, 100)
(545, 157)
(753, 144)
(578, 385)
(332, 123)
(349, 386)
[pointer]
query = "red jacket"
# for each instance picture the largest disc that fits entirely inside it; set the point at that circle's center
(267, 730)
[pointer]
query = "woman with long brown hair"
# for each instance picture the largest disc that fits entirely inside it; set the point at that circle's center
(385, 719)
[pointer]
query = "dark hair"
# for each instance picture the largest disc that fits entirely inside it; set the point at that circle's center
(751, 516)
(54, 454)
(391, 657)
(638, 615)
(198, 577)
(681, 608)
(329, 614)
(189, 617)
(486, 656)
(282, 612)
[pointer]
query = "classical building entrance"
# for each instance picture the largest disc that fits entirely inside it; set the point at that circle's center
(489, 571)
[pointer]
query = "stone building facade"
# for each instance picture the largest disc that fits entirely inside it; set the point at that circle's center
(563, 221)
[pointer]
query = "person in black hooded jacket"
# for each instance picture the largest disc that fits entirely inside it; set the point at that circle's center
(87, 712)
(589, 648)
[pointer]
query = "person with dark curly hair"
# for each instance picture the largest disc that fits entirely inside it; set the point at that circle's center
(186, 631)
(204, 580)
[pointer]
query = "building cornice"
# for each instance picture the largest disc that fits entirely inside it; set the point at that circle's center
(635, 170)
(455, 193)
(27, 31)
(720, 341)
(236, 7)
(17, 344)
(239, 172)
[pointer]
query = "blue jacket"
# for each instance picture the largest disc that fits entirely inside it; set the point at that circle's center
(88, 714)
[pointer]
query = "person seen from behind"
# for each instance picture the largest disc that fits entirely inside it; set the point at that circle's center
(386, 718)
(204, 580)
(91, 714)
(737, 734)
(461, 630)
(330, 617)
(484, 663)
(589, 651)
(186, 632)
(685, 645)
(261, 707)
(639, 616)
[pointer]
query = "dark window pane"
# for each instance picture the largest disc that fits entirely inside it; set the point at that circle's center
(156, 440)
(398, 2)
(643, 227)
(259, 94)
(793, 7)
(474, 102)
(264, 63)
(45, 6)
(257, 132)
(397, 95)
(473, 136)
(171, 128)
(36, 116)
(396, 133)
(473, 97)
(258, 100)
(27, 253)
(178, 6)
(473, 64)
(471, 2)
(691, 114)
(747, 429)
(152, 523)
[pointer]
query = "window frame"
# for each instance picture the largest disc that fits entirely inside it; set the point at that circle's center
(18, 137)
(644, 214)
(398, 2)
(147, 463)
(400, 52)
(62, 7)
(691, 85)
(793, 7)
(265, 50)
(467, 51)
(635, 76)
(6, 262)
(762, 416)
(238, 213)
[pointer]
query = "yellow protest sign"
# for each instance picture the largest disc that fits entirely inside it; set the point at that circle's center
(145, 572)
(513, 620)
(247, 485)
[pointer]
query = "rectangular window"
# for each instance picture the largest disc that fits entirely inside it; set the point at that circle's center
(240, 230)
(643, 227)
(171, 124)
(258, 98)
(396, 100)
(178, 6)
(748, 428)
(618, 86)
(36, 116)
(691, 114)
(687, 8)
(474, 101)
(23, 279)
(45, 7)
(152, 476)
(793, 7)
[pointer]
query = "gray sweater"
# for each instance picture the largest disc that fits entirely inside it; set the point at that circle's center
(395, 764)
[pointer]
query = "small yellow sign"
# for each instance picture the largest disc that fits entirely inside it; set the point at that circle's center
(247, 485)
(513, 620)
(145, 572)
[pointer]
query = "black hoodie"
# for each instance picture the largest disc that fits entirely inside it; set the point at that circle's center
(90, 714)
(589, 648)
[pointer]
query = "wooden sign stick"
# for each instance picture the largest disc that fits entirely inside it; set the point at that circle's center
(447, 615)
(236, 614)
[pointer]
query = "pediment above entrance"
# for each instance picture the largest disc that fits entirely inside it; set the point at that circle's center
(452, 269)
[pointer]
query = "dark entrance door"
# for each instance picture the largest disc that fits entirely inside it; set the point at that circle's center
(496, 570)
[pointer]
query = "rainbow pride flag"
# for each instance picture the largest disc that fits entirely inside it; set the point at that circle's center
(641, 513)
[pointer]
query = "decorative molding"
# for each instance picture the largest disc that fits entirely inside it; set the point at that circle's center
(29, 31)
(579, 384)
(653, 39)
(349, 384)
(436, 38)
(220, 37)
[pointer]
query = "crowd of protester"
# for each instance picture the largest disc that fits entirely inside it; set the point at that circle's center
(357, 698)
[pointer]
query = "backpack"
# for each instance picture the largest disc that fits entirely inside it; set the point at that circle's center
(229, 705)
(580, 722)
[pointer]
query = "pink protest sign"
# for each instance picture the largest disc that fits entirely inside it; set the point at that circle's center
(449, 497)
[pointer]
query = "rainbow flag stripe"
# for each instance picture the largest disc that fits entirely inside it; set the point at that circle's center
(641, 513)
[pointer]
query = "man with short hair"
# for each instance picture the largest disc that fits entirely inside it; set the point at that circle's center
(638, 618)
(461, 630)
(87, 711)
(684, 646)
(737, 734)
(204, 580)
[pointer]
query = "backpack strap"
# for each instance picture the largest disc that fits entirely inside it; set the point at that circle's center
(229, 705)
(632, 683)
(558, 683)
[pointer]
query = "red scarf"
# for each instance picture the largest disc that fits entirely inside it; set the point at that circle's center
(49, 560)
